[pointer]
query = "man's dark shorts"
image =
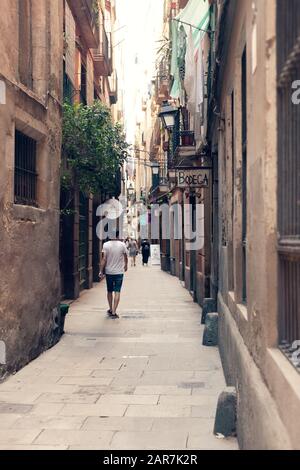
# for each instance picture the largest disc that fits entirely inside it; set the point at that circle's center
(114, 282)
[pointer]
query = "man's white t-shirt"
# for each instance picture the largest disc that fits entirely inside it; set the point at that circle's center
(114, 251)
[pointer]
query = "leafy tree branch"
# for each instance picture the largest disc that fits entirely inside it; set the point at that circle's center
(93, 147)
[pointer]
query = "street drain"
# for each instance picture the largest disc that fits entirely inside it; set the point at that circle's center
(192, 385)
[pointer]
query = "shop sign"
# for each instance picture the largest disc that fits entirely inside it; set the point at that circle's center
(193, 178)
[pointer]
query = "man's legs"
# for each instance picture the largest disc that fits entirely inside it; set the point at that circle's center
(116, 302)
(110, 300)
(110, 288)
(118, 281)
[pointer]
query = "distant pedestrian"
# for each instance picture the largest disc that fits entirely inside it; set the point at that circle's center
(145, 252)
(133, 251)
(114, 263)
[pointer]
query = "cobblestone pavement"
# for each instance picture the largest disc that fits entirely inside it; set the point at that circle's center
(141, 382)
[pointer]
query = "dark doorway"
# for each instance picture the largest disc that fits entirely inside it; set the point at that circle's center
(83, 241)
(193, 253)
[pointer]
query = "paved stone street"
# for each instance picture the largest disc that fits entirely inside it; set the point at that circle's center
(141, 382)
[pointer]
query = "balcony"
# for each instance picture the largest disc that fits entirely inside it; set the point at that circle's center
(113, 88)
(87, 19)
(184, 147)
(162, 83)
(102, 56)
(162, 89)
(187, 139)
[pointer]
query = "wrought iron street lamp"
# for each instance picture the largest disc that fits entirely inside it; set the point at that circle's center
(155, 168)
(167, 114)
(130, 191)
(155, 173)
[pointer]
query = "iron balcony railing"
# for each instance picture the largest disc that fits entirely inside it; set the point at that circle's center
(186, 138)
(181, 140)
(102, 56)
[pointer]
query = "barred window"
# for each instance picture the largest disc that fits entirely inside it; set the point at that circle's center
(288, 55)
(25, 170)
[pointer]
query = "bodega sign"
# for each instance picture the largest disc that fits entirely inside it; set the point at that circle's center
(193, 178)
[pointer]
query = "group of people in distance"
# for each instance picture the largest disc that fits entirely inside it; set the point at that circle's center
(133, 250)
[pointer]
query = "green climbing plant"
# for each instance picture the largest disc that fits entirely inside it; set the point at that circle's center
(94, 148)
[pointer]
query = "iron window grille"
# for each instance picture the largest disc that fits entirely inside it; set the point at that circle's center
(25, 170)
(288, 62)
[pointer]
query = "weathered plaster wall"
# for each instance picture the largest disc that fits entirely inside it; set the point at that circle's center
(259, 425)
(248, 333)
(29, 237)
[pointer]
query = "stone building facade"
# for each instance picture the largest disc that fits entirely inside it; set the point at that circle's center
(249, 269)
(253, 135)
(183, 147)
(89, 75)
(30, 134)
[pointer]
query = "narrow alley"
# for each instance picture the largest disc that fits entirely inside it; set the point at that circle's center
(166, 131)
(141, 382)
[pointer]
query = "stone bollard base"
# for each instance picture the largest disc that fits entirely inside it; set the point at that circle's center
(209, 306)
(210, 335)
(225, 420)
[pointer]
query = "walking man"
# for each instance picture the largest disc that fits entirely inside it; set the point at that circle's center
(114, 263)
